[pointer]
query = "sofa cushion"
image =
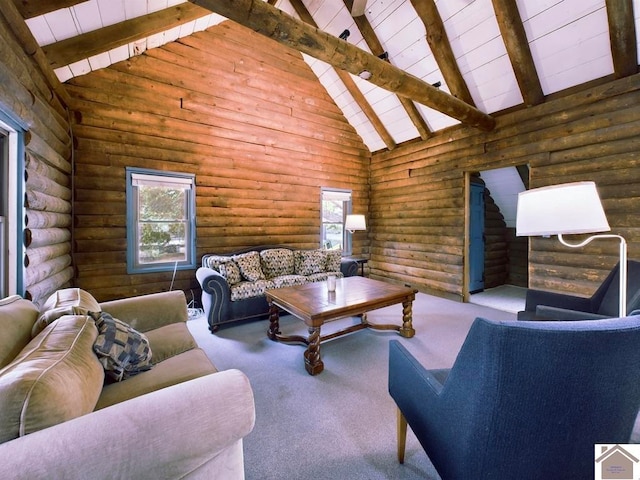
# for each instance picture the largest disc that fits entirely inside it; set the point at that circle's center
(231, 272)
(250, 267)
(122, 350)
(180, 368)
(55, 378)
(17, 317)
(170, 340)
(322, 276)
(244, 290)
(333, 259)
(277, 261)
(309, 261)
(69, 301)
(289, 280)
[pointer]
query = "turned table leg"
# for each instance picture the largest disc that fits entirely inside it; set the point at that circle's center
(274, 322)
(312, 361)
(407, 329)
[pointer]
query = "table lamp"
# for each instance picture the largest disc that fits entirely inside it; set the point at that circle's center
(566, 209)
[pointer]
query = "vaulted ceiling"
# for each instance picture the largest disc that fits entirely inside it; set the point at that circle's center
(430, 64)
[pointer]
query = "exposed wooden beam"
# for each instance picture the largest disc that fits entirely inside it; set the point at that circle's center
(278, 25)
(104, 39)
(515, 40)
(32, 49)
(350, 85)
(441, 48)
(377, 49)
(622, 34)
(33, 8)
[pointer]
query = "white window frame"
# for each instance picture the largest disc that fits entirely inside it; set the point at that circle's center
(345, 197)
(11, 226)
(137, 177)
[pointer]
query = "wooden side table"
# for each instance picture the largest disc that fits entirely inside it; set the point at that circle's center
(360, 261)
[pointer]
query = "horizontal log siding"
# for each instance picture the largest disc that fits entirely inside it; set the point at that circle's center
(245, 115)
(417, 189)
(25, 94)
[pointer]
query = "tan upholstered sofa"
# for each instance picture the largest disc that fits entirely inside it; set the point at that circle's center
(59, 418)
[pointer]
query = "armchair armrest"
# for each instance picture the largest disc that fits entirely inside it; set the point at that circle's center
(547, 312)
(552, 299)
(349, 268)
(169, 433)
(410, 384)
(148, 312)
(216, 295)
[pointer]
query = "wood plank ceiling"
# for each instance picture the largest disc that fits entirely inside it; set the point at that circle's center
(448, 61)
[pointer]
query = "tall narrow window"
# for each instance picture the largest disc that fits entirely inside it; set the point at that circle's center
(336, 204)
(4, 198)
(11, 208)
(160, 221)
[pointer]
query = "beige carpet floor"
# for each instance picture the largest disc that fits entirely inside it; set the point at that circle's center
(339, 424)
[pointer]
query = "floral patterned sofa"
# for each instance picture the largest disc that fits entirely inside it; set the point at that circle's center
(233, 284)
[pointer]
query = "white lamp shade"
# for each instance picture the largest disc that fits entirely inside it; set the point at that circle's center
(355, 222)
(561, 209)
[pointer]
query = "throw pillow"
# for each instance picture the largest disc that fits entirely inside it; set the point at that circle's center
(309, 262)
(122, 350)
(231, 272)
(250, 267)
(214, 261)
(277, 262)
(56, 377)
(333, 259)
(69, 301)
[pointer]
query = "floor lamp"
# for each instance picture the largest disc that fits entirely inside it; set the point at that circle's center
(355, 222)
(566, 209)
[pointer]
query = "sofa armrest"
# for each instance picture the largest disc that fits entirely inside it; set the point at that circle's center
(216, 295)
(169, 433)
(148, 312)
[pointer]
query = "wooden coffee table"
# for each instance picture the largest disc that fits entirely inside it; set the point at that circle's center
(315, 305)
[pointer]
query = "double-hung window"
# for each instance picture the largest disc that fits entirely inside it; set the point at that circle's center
(11, 208)
(160, 221)
(336, 204)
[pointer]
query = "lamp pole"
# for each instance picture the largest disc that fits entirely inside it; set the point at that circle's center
(622, 311)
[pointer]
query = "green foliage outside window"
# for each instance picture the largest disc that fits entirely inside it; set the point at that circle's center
(162, 223)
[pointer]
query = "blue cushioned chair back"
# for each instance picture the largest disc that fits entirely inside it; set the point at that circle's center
(530, 399)
(607, 295)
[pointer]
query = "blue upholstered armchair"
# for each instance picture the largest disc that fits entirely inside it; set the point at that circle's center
(604, 303)
(525, 400)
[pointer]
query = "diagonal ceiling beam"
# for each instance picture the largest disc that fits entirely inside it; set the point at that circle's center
(517, 44)
(277, 25)
(350, 85)
(622, 34)
(441, 48)
(33, 8)
(104, 39)
(377, 49)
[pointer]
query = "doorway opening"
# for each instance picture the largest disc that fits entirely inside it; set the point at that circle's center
(497, 269)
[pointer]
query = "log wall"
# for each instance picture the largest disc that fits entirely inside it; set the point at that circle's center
(417, 204)
(26, 95)
(245, 115)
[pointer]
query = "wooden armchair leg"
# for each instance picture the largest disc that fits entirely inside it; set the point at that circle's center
(402, 436)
